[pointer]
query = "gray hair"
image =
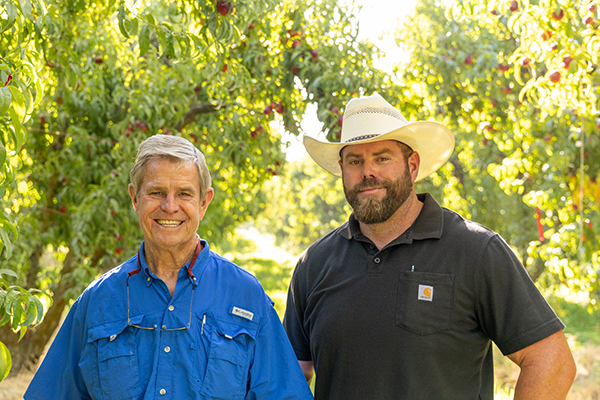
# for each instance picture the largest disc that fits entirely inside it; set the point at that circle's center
(169, 147)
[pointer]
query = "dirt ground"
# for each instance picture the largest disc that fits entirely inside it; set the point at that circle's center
(13, 388)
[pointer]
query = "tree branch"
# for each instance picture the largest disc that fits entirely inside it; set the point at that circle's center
(190, 117)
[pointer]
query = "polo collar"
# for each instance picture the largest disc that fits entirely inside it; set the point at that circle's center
(428, 225)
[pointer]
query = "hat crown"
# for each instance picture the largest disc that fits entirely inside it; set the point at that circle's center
(368, 117)
(371, 119)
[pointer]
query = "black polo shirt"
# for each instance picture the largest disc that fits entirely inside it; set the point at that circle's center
(415, 319)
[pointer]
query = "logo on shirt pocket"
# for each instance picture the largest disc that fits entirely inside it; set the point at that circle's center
(425, 293)
(417, 310)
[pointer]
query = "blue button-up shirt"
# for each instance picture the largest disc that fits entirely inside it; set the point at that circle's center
(235, 347)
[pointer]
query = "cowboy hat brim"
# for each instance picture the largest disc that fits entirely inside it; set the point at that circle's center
(433, 141)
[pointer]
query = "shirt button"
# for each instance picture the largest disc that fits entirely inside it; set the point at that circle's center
(171, 308)
(162, 392)
(164, 327)
(372, 246)
(377, 260)
(167, 349)
(148, 279)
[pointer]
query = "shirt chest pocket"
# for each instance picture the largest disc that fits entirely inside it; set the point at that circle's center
(425, 302)
(230, 354)
(118, 367)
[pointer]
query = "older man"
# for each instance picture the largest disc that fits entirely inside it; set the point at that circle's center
(403, 301)
(175, 321)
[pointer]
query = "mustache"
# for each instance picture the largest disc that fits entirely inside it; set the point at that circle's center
(370, 183)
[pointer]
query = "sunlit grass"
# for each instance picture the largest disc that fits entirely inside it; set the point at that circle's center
(504, 393)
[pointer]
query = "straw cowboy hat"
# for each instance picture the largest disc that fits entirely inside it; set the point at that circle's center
(371, 119)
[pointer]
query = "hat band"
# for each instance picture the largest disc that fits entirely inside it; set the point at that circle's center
(392, 112)
(363, 137)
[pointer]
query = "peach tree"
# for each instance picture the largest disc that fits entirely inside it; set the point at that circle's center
(21, 91)
(517, 83)
(228, 75)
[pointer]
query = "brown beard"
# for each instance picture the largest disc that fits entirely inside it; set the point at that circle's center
(373, 210)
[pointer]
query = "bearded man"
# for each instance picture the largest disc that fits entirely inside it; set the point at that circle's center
(404, 300)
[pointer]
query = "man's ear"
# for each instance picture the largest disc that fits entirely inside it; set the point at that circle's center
(133, 197)
(208, 196)
(414, 162)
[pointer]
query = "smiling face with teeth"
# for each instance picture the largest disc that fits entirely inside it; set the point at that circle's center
(169, 206)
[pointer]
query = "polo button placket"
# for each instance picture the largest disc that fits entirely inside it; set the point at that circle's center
(375, 266)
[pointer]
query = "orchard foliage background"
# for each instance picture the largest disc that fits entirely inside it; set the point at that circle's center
(85, 81)
(219, 73)
(517, 83)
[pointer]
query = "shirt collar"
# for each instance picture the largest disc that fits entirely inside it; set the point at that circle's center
(428, 225)
(197, 268)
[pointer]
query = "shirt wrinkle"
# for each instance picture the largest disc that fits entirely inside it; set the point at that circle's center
(98, 354)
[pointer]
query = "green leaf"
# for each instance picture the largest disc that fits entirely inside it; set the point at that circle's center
(2, 297)
(150, 19)
(5, 361)
(5, 99)
(122, 16)
(170, 50)
(31, 311)
(134, 26)
(5, 271)
(2, 154)
(17, 313)
(42, 7)
(39, 310)
(17, 125)
(26, 8)
(144, 39)
(18, 103)
(162, 41)
(11, 10)
(4, 239)
(22, 332)
(5, 318)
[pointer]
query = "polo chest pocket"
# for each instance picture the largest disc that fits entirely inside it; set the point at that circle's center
(425, 302)
(231, 348)
(117, 361)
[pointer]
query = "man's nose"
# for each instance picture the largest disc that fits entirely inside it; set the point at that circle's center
(369, 170)
(169, 203)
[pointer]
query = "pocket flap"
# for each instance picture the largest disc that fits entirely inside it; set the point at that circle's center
(231, 330)
(231, 326)
(111, 329)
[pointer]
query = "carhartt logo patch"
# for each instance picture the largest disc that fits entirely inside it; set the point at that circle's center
(425, 293)
(242, 313)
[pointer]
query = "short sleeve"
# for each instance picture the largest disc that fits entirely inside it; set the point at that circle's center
(292, 321)
(511, 309)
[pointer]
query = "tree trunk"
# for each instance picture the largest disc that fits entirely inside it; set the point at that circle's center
(27, 352)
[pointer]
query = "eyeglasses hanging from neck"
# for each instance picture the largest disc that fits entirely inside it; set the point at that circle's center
(190, 274)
